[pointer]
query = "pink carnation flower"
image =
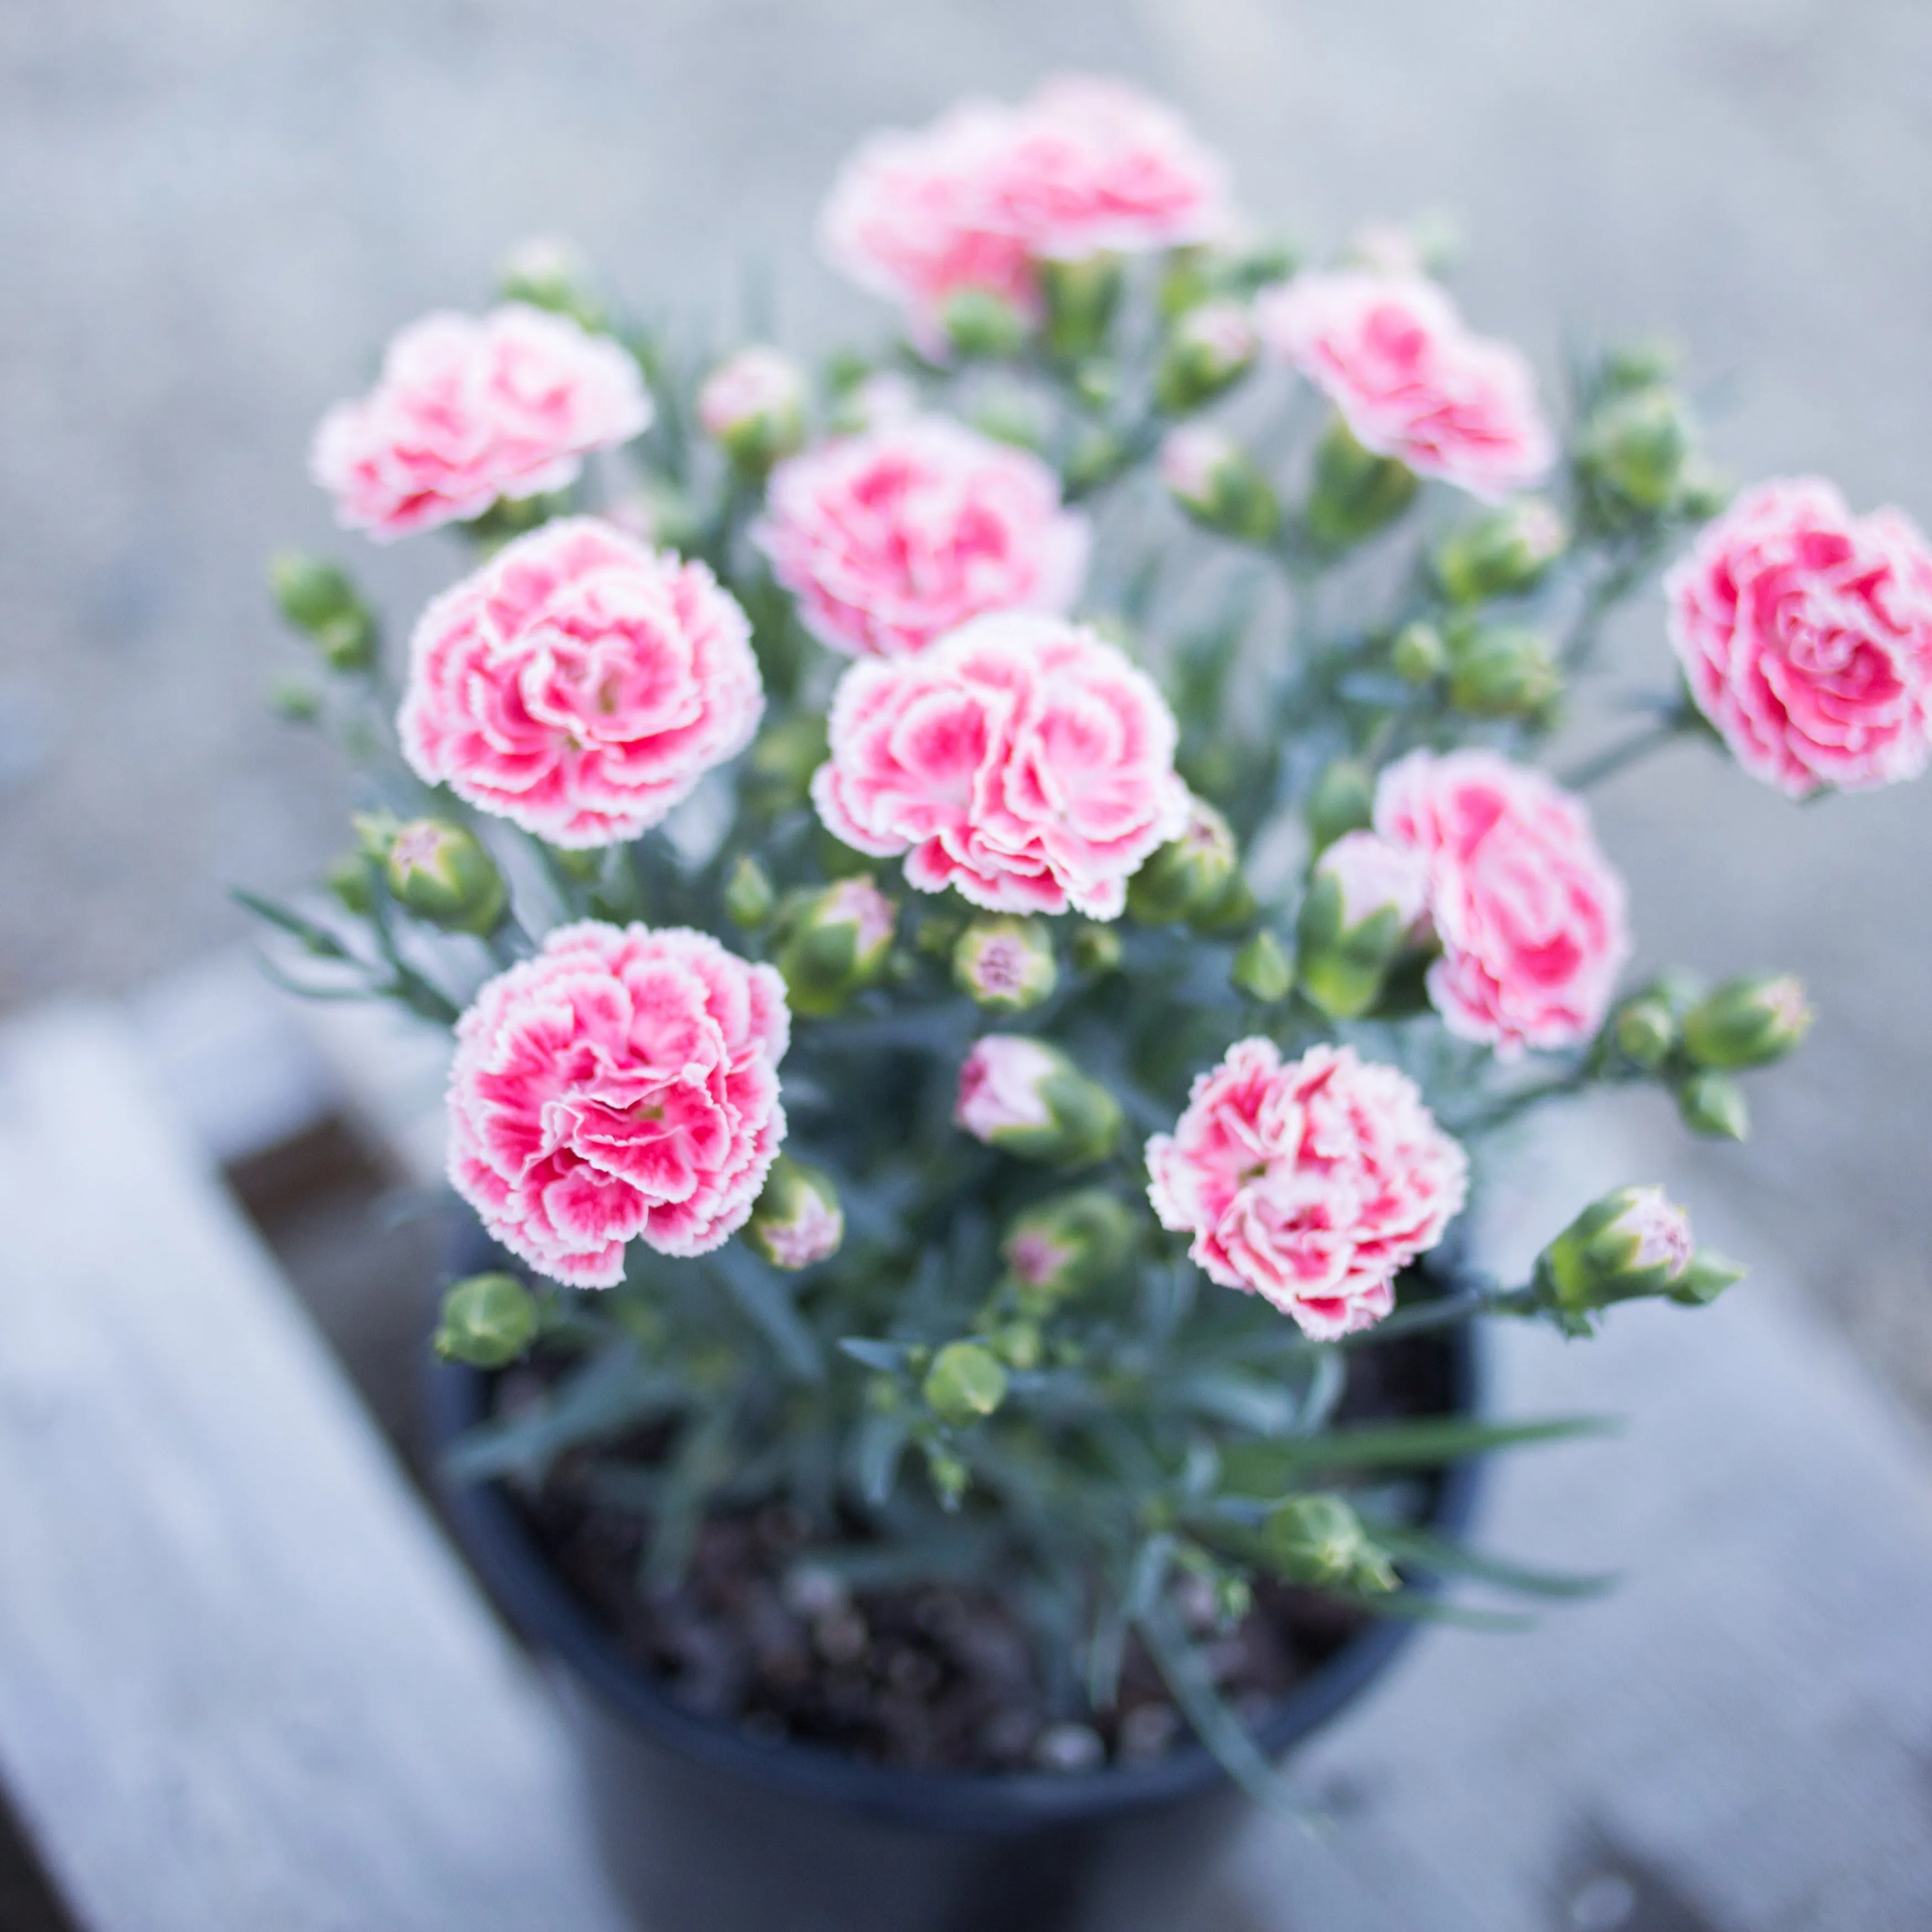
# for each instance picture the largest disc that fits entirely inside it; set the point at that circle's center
(1021, 759)
(974, 200)
(1313, 1184)
(622, 1085)
(1806, 634)
(1529, 912)
(579, 684)
(467, 411)
(894, 537)
(1410, 380)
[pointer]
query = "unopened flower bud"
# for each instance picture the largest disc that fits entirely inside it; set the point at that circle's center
(1418, 655)
(1189, 873)
(1703, 490)
(1080, 297)
(1013, 415)
(549, 272)
(978, 323)
(1747, 1022)
(348, 879)
(1640, 365)
(1507, 551)
(1637, 446)
(1096, 948)
(1320, 1539)
(1058, 1247)
(1646, 1031)
(965, 1383)
(1713, 1104)
(1020, 1095)
(749, 897)
(1262, 970)
(1004, 964)
(798, 1219)
(1501, 670)
(1631, 1242)
(1343, 799)
(318, 599)
(835, 944)
(1209, 350)
(1218, 483)
(1365, 898)
(487, 1321)
(442, 873)
(295, 701)
(1356, 493)
(753, 406)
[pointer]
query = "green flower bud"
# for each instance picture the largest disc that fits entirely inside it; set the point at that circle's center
(1637, 446)
(749, 897)
(1712, 1103)
(978, 323)
(317, 598)
(1319, 1539)
(1004, 964)
(1219, 484)
(1356, 493)
(1501, 670)
(1418, 655)
(349, 880)
(1631, 1242)
(442, 873)
(1639, 365)
(1096, 949)
(1080, 298)
(1364, 900)
(1705, 1280)
(295, 701)
(835, 944)
(1019, 1345)
(1022, 1095)
(1189, 873)
(1208, 350)
(1502, 553)
(1096, 455)
(964, 1383)
(1645, 1030)
(753, 405)
(1262, 970)
(1061, 1246)
(1343, 799)
(1747, 1022)
(778, 774)
(487, 1321)
(949, 1477)
(1703, 490)
(550, 273)
(798, 1219)
(1013, 415)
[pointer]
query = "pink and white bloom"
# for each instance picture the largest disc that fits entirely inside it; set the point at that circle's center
(1530, 913)
(754, 399)
(1411, 380)
(468, 410)
(975, 200)
(1002, 1085)
(1805, 633)
(1375, 876)
(1313, 1184)
(893, 537)
(579, 684)
(622, 1085)
(1022, 760)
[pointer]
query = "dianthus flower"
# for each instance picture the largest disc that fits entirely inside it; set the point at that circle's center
(622, 1085)
(1313, 1184)
(468, 410)
(1022, 760)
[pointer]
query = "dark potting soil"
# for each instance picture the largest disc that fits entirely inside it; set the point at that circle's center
(935, 1676)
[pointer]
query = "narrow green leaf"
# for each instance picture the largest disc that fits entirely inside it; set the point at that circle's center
(1437, 1553)
(1267, 1467)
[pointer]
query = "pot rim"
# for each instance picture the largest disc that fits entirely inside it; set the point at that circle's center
(542, 1608)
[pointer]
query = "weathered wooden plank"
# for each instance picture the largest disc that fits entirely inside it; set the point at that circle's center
(243, 1682)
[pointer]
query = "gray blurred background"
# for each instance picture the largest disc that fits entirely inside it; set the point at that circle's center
(212, 211)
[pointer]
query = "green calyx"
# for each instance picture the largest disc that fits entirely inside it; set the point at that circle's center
(1749, 1021)
(1502, 554)
(1501, 670)
(1356, 493)
(965, 1383)
(442, 873)
(1188, 874)
(1062, 1245)
(1319, 1539)
(487, 1321)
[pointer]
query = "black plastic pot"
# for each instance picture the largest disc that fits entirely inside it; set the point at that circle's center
(705, 1830)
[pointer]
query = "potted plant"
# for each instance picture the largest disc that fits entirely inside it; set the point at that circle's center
(994, 902)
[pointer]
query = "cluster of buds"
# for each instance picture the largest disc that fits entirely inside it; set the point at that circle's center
(1696, 1044)
(318, 599)
(1630, 1245)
